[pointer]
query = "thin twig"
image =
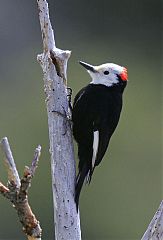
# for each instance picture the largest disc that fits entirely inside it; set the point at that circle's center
(13, 175)
(34, 164)
(4, 190)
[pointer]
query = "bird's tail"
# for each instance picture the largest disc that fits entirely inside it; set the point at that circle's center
(79, 183)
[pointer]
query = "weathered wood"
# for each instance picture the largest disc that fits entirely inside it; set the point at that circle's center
(155, 228)
(54, 65)
(13, 175)
(17, 191)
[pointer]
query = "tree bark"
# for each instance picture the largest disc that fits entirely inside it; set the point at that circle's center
(54, 65)
(17, 191)
(155, 228)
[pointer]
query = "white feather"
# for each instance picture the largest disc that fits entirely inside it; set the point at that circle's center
(95, 147)
(98, 77)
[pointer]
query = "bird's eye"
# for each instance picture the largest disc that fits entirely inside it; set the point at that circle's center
(106, 72)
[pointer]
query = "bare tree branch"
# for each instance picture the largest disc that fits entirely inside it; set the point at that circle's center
(17, 191)
(54, 65)
(4, 190)
(155, 228)
(13, 175)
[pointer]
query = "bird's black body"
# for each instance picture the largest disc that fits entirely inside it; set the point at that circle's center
(96, 108)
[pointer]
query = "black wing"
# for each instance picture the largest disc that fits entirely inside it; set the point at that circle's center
(96, 108)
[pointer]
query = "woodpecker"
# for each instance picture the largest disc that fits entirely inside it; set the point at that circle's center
(95, 115)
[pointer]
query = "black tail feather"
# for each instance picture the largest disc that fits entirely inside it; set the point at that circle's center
(79, 183)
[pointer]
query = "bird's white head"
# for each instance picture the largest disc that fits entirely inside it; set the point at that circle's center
(108, 74)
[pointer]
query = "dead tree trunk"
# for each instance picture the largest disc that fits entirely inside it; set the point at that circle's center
(54, 65)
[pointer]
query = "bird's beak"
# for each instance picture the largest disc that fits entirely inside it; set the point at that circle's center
(88, 66)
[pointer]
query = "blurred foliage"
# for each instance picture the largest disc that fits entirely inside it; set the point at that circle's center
(126, 188)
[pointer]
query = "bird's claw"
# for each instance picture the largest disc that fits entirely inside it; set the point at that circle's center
(69, 95)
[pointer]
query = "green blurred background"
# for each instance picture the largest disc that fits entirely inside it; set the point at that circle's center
(126, 188)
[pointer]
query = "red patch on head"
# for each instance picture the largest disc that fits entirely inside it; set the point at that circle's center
(124, 75)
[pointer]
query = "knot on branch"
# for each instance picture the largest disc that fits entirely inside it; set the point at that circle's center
(59, 59)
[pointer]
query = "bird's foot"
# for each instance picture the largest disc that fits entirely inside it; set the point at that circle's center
(69, 97)
(66, 118)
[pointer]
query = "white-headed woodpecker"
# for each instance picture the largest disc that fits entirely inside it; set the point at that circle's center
(95, 115)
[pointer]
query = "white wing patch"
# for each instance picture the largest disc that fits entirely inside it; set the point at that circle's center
(95, 147)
